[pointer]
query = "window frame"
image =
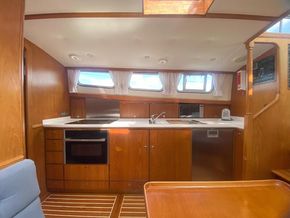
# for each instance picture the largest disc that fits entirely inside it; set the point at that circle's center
(145, 90)
(97, 86)
(195, 90)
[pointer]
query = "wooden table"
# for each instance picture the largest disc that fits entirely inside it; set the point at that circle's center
(233, 199)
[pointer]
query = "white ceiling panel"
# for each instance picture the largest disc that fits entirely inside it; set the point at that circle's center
(251, 7)
(66, 6)
(199, 43)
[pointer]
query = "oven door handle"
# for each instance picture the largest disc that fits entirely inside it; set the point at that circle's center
(86, 140)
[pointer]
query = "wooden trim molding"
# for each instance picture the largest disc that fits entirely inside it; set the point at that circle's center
(275, 35)
(141, 15)
(11, 161)
(149, 99)
(144, 70)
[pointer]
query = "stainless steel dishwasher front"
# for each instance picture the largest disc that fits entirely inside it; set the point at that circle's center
(212, 154)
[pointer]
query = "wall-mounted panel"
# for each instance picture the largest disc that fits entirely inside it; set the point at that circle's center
(11, 101)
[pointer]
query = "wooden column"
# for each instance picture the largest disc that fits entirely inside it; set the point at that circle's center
(248, 132)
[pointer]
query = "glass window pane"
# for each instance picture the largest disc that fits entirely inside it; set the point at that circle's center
(286, 25)
(275, 28)
(146, 81)
(194, 82)
(100, 79)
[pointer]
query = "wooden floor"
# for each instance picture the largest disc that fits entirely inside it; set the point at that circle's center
(89, 206)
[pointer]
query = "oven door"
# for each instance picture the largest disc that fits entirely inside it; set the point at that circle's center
(86, 152)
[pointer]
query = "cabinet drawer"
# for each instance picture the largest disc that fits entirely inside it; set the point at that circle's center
(54, 171)
(54, 185)
(86, 172)
(127, 187)
(54, 145)
(54, 157)
(86, 186)
(54, 133)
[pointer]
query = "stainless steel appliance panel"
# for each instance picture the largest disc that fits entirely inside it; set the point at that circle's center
(102, 108)
(212, 154)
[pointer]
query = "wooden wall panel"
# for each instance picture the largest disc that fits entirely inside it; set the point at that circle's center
(134, 109)
(213, 111)
(270, 147)
(46, 97)
(238, 100)
(171, 109)
(78, 107)
(11, 82)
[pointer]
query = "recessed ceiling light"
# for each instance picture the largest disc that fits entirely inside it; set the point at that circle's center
(74, 57)
(163, 61)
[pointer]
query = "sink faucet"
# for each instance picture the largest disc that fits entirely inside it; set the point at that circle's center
(154, 117)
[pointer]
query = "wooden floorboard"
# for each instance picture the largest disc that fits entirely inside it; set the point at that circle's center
(94, 206)
(79, 206)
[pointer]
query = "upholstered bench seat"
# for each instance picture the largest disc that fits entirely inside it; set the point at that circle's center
(19, 191)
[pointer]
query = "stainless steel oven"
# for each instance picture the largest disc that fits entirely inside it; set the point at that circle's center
(86, 147)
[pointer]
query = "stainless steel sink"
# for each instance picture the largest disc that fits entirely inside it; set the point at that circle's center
(178, 121)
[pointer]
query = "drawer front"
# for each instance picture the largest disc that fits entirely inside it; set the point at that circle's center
(54, 145)
(127, 187)
(54, 185)
(86, 172)
(54, 157)
(54, 171)
(54, 133)
(86, 186)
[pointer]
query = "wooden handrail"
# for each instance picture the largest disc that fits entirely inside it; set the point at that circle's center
(35, 126)
(276, 99)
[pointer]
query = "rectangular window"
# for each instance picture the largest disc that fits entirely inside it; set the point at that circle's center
(145, 81)
(195, 82)
(102, 79)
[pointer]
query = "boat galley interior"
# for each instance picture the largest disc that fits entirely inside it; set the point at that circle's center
(145, 108)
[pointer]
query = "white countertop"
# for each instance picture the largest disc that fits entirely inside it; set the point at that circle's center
(237, 122)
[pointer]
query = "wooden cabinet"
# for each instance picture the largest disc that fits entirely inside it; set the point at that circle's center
(129, 158)
(134, 109)
(86, 178)
(170, 154)
(171, 109)
(54, 159)
(238, 153)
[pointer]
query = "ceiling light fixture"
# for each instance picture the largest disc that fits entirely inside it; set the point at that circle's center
(163, 61)
(74, 57)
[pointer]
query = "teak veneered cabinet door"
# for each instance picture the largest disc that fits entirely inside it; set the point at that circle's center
(129, 153)
(170, 154)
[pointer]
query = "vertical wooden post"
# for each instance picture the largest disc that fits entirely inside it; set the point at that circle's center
(248, 131)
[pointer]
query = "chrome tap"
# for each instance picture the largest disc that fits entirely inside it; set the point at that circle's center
(154, 117)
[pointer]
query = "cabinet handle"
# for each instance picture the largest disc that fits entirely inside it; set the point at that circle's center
(152, 146)
(145, 146)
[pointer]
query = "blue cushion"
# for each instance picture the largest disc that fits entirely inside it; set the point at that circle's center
(18, 188)
(32, 211)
